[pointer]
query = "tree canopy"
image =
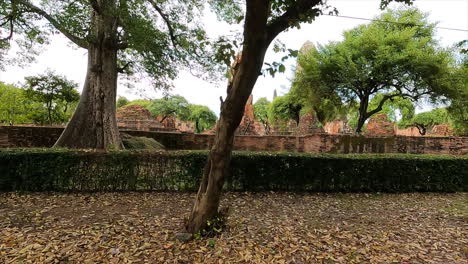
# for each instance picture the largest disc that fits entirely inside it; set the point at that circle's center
(56, 93)
(122, 101)
(202, 116)
(284, 108)
(153, 37)
(426, 120)
(260, 108)
(399, 59)
(171, 105)
(14, 106)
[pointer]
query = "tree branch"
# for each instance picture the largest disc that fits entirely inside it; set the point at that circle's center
(122, 69)
(11, 30)
(32, 8)
(167, 22)
(381, 103)
(294, 14)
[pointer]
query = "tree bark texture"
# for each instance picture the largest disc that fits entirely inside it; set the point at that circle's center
(363, 115)
(94, 124)
(256, 42)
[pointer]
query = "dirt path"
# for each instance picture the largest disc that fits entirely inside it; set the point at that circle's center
(262, 228)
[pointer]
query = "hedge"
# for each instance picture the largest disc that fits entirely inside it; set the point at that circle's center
(63, 170)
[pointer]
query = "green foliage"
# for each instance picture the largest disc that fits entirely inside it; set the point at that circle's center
(122, 101)
(143, 102)
(398, 60)
(458, 108)
(62, 170)
(403, 105)
(284, 108)
(15, 107)
(172, 105)
(433, 117)
(202, 116)
(426, 120)
(56, 93)
(261, 110)
(154, 38)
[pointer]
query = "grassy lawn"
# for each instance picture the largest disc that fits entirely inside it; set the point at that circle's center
(262, 228)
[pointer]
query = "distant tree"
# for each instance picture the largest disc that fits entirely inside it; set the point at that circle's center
(458, 97)
(14, 106)
(171, 105)
(202, 116)
(400, 60)
(122, 101)
(55, 92)
(284, 108)
(143, 102)
(261, 111)
(426, 120)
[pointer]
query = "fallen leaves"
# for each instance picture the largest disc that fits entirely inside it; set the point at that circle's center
(262, 228)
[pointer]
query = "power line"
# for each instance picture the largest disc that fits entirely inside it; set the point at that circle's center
(393, 22)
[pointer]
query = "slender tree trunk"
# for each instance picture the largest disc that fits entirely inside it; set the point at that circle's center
(94, 125)
(232, 110)
(197, 126)
(364, 102)
(49, 112)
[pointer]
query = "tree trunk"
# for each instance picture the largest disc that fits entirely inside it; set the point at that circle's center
(364, 102)
(49, 112)
(94, 124)
(197, 126)
(232, 110)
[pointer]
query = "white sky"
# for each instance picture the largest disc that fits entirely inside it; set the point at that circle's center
(71, 62)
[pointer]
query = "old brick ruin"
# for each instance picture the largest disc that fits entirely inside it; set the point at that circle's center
(137, 117)
(13, 136)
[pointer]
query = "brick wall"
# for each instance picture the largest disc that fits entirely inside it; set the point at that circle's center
(46, 136)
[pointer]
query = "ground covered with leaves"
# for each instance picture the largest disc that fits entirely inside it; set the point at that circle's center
(261, 228)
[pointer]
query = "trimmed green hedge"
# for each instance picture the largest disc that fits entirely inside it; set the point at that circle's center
(63, 170)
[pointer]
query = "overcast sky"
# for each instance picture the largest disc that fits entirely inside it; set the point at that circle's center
(71, 62)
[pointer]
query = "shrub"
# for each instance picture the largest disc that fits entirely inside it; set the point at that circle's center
(63, 170)
(140, 143)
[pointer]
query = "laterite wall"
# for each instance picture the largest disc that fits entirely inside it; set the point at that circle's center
(17, 136)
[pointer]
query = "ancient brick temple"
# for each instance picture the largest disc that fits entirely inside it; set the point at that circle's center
(177, 125)
(380, 125)
(137, 117)
(338, 127)
(249, 125)
(308, 125)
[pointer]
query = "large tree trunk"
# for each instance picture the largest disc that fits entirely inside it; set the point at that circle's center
(232, 110)
(94, 125)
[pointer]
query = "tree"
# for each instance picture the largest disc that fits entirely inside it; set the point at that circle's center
(458, 108)
(284, 108)
(426, 120)
(264, 20)
(122, 101)
(326, 104)
(143, 102)
(400, 59)
(55, 92)
(153, 38)
(173, 105)
(261, 111)
(202, 116)
(14, 106)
